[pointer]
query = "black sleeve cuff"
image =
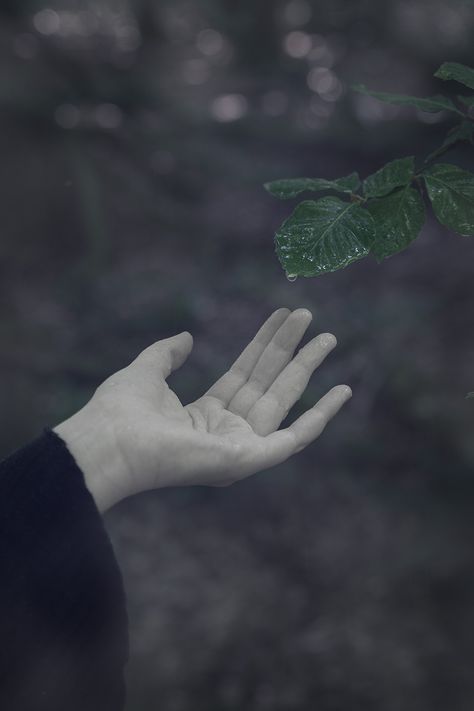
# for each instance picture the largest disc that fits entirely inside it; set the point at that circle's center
(63, 619)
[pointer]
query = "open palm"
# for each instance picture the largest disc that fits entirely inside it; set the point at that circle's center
(232, 430)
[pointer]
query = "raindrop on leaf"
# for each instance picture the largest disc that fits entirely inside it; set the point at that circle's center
(291, 277)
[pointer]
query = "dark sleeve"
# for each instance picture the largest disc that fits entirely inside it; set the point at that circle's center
(63, 619)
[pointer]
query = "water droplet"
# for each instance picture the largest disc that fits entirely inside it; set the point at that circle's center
(291, 277)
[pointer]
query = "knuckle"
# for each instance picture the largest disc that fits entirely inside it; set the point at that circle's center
(281, 405)
(238, 373)
(257, 385)
(272, 399)
(319, 417)
(282, 349)
(301, 365)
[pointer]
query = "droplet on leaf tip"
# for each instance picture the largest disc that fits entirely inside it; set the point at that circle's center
(291, 277)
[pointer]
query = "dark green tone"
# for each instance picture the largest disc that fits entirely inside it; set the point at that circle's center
(393, 175)
(398, 218)
(324, 236)
(467, 101)
(451, 191)
(327, 235)
(462, 132)
(453, 71)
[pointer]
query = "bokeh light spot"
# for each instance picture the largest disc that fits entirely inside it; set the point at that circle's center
(321, 52)
(324, 82)
(229, 107)
(47, 21)
(297, 44)
(210, 42)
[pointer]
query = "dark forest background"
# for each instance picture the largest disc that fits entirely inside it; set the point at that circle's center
(135, 138)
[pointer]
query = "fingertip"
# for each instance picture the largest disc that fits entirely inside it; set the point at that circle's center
(328, 340)
(304, 313)
(187, 338)
(283, 311)
(345, 391)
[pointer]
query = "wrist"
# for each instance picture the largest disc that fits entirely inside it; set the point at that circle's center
(90, 439)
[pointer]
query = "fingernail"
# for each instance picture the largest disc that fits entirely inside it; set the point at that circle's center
(347, 391)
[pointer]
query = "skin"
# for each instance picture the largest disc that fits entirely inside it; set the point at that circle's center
(135, 435)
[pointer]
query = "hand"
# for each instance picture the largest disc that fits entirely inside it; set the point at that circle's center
(135, 435)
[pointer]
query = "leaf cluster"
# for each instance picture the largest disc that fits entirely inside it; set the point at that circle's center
(384, 213)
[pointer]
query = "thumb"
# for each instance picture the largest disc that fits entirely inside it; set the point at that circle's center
(166, 355)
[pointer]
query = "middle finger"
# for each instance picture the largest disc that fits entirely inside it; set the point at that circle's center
(274, 358)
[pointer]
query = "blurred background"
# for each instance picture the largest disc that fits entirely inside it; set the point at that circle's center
(135, 138)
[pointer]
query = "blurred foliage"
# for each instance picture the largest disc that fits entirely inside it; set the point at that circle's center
(135, 139)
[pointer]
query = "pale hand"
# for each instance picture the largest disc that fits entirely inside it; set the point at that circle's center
(135, 435)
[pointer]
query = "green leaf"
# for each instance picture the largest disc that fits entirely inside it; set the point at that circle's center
(398, 219)
(467, 101)
(323, 236)
(433, 104)
(451, 191)
(462, 132)
(392, 175)
(453, 71)
(285, 189)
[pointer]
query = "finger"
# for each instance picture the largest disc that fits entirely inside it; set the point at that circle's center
(280, 445)
(269, 410)
(311, 423)
(274, 358)
(165, 355)
(226, 387)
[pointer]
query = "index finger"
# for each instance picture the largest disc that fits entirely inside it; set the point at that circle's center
(281, 444)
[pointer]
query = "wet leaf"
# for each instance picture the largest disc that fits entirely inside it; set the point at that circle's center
(323, 236)
(451, 191)
(392, 175)
(398, 220)
(289, 188)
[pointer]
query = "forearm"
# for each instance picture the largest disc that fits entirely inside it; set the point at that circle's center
(63, 619)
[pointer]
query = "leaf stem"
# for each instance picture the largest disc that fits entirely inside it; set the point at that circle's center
(445, 148)
(441, 151)
(357, 198)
